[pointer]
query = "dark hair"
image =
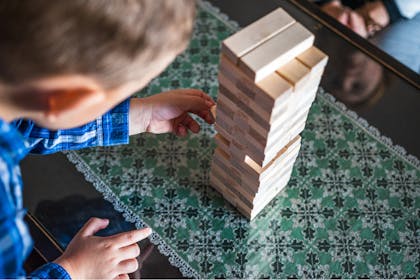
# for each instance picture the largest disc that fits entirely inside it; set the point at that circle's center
(113, 41)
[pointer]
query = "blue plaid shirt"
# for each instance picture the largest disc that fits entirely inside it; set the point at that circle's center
(19, 138)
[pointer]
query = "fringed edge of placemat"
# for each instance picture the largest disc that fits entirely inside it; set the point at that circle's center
(369, 129)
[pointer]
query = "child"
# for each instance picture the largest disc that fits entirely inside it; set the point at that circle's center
(63, 66)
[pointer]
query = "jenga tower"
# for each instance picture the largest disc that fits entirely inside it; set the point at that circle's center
(268, 78)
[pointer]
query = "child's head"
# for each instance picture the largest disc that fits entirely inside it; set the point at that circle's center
(65, 62)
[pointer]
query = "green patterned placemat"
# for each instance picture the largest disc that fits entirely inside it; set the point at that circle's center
(351, 208)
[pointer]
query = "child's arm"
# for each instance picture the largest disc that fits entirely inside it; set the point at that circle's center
(109, 129)
(160, 113)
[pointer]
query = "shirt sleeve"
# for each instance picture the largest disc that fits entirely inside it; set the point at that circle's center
(110, 129)
(50, 271)
(12, 241)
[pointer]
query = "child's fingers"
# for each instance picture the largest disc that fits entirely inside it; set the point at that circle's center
(193, 104)
(93, 226)
(181, 130)
(191, 124)
(207, 116)
(131, 237)
(129, 266)
(197, 92)
(129, 252)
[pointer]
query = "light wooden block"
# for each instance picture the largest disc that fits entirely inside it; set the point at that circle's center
(250, 204)
(261, 146)
(220, 180)
(257, 120)
(233, 175)
(276, 52)
(256, 33)
(295, 72)
(267, 94)
(230, 91)
(218, 184)
(222, 131)
(223, 120)
(250, 174)
(313, 58)
(221, 142)
(268, 183)
(213, 111)
(235, 192)
(267, 198)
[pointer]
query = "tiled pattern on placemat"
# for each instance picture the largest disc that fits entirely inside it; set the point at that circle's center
(351, 208)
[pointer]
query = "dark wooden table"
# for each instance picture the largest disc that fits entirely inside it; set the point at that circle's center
(383, 91)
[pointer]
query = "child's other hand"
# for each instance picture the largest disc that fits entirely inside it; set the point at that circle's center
(169, 112)
(88, 256)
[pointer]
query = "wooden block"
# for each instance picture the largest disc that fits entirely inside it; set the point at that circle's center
(235, 94)
(254, 174)
(287, 159)
(285, 167)
(222, 131)
(313, 58)
(265, 93)
(278, 89)
(276, 52)
(298, 113)
(261, 169)
(301, 101)
(224, 106)
(276, 140)
(233, 176)
(296, 73)
(251, 118)
(213, 111)
(221, 159)
(259, 122)
(240, 193)
(267, 198)
(221, 142)
(219, 186)
(276, 185)
(256, 33)
(236, 128)
(265, 148)
(217, 183)
(236, 192)
(256, 136)
(223, 120)
(249, 204)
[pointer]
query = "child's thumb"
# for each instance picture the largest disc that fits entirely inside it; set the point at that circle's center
(93, 226)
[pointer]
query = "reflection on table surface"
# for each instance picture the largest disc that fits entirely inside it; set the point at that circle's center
(377, 94)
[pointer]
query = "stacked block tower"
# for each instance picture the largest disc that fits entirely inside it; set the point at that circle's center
(268, 77)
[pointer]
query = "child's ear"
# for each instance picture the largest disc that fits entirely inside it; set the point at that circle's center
(61, 101)
(56, 96)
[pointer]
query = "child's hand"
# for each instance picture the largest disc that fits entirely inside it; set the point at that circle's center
(169, 112)
(89, 256)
